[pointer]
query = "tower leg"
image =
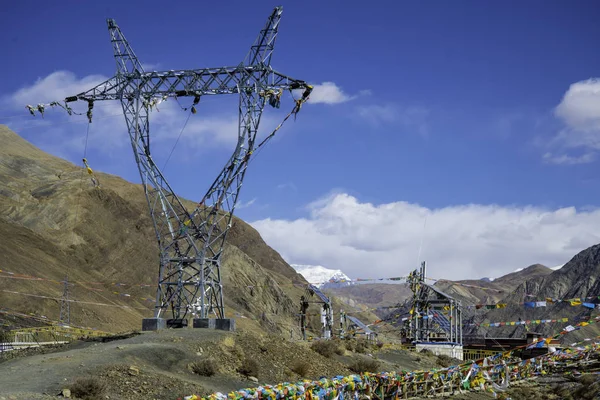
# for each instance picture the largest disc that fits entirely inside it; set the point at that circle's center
(222, 324)
(154, 324)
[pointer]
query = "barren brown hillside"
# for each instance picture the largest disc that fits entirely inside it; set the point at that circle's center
(494, 290)
(373, 295)
(577, 279)
(54, 222)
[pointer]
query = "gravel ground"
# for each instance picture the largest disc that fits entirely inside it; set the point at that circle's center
(158, 365)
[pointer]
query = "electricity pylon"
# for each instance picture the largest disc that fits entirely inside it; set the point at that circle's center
(191, 244)
(65, 305)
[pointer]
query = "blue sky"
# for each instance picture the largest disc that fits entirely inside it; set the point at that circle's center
(442, 105)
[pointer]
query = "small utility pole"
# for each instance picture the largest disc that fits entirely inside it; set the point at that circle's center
(65, 304)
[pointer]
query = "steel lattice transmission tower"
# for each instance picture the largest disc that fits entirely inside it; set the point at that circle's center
(191, 243)
(65, 304)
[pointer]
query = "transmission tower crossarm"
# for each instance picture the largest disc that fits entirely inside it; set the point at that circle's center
(280, 80)
(212, 81)
(107, 90)
(208, 81)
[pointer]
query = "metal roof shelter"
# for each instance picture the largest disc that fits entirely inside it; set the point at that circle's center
(326, 311)
(359, 324)
(318, 293)
(358, 327)
(434, 316)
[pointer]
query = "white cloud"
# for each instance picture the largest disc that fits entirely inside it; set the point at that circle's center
(287, 185)
(413, 117)
(330, 93)
(247, 204)
(150, 66)
(469, 241)
(59, 133)
(55, 86)
(200, 130)
(580, 111)
(565, 159)
(108, 130)
(580, 106)
(378, 113)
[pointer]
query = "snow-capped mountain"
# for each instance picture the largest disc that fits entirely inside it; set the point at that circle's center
(321, 276)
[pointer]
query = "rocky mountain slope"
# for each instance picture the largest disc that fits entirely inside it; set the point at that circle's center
(578, 279)
(53, 223)
(489, 292)
(372, 295)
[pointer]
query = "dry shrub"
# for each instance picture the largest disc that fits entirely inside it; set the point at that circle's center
(590, 388)
(205, 367)
(238, 352)
(524, 393)
(350, 344)
(364, 364)
(564, 392)
(249, 367)
(339, 348)
(88, 389)
(587, 380)
(301, 367)
(326, 348)
(379, 345)
(361, 346)
(229, 341)
(444, 360)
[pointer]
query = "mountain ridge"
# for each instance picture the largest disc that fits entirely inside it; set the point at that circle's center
(576, 279)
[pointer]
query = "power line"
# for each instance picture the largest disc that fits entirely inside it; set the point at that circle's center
(177, 141)
(54, 123)
(73, 301)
